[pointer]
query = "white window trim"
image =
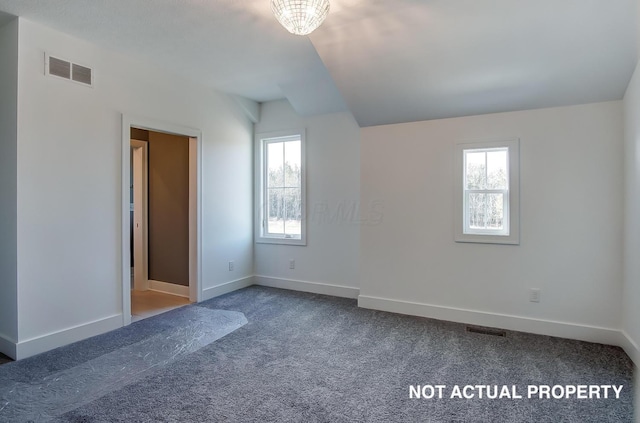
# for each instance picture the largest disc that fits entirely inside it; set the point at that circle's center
(261, 140)
(512, 203)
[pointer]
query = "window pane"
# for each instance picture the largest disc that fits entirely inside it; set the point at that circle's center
(495, 212)
(275, 210)
(476, 170)
(292, 163)
(280, 164)
(293, 210)
(485, 211)
(497, 169)
(284, 204)
(487, 191)
(476, 204)
(275, 171)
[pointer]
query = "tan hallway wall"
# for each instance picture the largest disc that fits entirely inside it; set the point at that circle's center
(168, 206)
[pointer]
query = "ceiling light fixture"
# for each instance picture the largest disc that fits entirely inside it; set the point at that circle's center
(300, 17)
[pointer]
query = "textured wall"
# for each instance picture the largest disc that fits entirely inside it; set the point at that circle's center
(8, 185)
(631, 306)
(571, 218)
(69, 178)
(333, 227)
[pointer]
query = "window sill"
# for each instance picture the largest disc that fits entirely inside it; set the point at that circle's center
(281, 241)
(488, 239)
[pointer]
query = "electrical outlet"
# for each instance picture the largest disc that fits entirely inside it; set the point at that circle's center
(292, 264)
(231, 266)
(534, 295)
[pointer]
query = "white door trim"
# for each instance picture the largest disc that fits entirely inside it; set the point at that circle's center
(140, 225)
(195, 205)
(195, 223)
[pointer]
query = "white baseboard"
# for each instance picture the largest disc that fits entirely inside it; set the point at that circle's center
(522, 324)
(63, 337)
(30, 347)
(304, 286)
(7, 346)
(216, 291)
(169, 288)
(630, 347)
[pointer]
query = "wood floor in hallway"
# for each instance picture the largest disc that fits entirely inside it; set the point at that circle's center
(150, 303)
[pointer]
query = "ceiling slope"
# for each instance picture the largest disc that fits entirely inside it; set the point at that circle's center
(235, 46)
(410, 60)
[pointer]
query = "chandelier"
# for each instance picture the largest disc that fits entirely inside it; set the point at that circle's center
(300, 17)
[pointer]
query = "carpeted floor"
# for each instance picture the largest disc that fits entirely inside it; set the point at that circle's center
(311, 358)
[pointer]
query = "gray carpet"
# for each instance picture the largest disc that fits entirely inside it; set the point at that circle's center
(65, 390)
(312, 358)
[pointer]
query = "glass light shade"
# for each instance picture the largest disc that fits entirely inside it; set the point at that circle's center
(300, 17)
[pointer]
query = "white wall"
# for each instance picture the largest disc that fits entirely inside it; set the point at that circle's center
(631, 305)
(8, 184)
(69, 183)
(571, 224)
(333, 162)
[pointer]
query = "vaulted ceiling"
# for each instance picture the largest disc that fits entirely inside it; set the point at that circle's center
(384, 61)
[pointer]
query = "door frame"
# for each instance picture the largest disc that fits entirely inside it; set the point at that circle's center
(140, 160)
(195, 205)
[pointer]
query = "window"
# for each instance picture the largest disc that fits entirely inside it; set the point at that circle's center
(487, 192)
(280, 176)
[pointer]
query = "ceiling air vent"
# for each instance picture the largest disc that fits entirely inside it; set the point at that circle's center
(68, 70)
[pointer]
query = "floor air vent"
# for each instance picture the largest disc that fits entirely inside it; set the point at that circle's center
(67, 70)
(486, 331)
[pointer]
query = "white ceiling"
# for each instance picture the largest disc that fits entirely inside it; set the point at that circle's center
(387, 61)
(400, 61)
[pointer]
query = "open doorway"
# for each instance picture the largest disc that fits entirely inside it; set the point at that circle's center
(161, 168)
(159, 222)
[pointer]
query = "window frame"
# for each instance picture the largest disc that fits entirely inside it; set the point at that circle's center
(510, 235)
(262, 139)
